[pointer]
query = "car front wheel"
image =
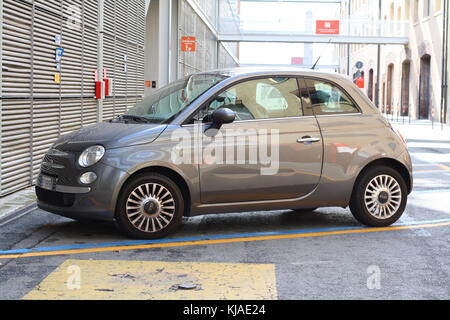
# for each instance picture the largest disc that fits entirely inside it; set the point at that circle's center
(149, 207)
(379, 197)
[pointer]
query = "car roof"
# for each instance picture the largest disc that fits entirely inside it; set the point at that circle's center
(277, 70)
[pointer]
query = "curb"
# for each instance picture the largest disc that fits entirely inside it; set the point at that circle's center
(16, 214)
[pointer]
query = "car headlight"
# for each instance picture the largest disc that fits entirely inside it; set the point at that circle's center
(91, 156)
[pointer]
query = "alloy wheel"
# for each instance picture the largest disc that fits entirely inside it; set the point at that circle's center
(150, 207)
(383, 196)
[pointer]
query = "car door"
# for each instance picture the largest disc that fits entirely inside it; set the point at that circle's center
(272, 151)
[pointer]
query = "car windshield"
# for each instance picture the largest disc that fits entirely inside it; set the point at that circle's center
(164, 104)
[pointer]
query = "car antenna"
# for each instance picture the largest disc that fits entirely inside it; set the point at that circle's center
(318, 59)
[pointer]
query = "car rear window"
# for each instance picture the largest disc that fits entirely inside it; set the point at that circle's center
(327, 98)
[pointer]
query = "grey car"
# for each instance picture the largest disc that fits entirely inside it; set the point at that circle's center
(227, 141)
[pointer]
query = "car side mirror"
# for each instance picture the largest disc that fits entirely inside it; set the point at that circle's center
(223, 116)
(218, 118)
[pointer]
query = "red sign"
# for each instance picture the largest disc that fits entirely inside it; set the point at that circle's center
(188, 44)
(327, 27)
(297, 60)
(360, 82)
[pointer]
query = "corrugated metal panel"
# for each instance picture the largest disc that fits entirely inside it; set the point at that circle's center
(16, 140)
(225, 60)
(46, 128)
(36, 110)
(16, 69)
(16, 117)
(209, 9)
(191, 24)
(124, 52)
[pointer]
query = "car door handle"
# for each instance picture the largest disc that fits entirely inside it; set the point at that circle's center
(308, 139)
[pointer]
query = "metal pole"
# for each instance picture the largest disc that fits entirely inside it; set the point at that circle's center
(100, 31)
(217, 13)
(33, 12)
(179, 57)
(378, 59)
(409, 114)
(446, 17)
(1, 84)
(169, 65)
(348, 34)
(444, 66)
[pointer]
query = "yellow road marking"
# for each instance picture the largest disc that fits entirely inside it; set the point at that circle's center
(443, 166)
(221, 241)
(429, 171)
(136, 280)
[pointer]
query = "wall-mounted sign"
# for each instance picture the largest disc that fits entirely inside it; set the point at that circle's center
(188, 44)
(57, 77)
(104, 86)
(359, 65)
(59, 52)
(108, 84)
(297, 60)
(360, 82)
(327, 26)
(58, 39)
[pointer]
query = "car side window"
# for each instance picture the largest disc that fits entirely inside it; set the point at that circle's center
(258, 99)
(327, 98)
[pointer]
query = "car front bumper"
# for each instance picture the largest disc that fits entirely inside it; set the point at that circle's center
(92, 202)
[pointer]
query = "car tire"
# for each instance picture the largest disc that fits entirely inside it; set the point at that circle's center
(379, 197)
(149, 207)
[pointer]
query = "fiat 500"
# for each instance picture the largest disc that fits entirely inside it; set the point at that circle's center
(234, 140)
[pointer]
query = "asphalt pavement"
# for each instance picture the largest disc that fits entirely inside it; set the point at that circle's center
(323, 254)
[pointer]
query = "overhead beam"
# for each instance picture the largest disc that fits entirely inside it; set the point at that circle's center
(331, 66)
(301, 1)
(311, 38)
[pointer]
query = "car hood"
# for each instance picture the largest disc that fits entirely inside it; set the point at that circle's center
(110, 135)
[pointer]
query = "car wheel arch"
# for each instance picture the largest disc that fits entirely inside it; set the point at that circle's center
(389, 162)
(169, 173)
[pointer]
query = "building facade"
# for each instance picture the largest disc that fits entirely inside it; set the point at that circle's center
(53, 51)
(410, 77)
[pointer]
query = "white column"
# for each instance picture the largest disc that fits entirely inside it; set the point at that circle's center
(158, 44)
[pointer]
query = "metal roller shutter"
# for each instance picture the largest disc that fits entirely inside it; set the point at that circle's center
(124, 45)
(109, 58)
(16, 68)
(16, 117)
(46, 128)
(34, 109)
(16, 142)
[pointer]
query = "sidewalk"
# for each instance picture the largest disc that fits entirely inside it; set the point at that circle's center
(17, 204)
(422, 130)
